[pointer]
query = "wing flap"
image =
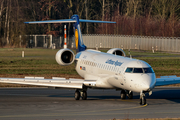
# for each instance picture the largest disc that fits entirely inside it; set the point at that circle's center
(167, 80)
(56, 82)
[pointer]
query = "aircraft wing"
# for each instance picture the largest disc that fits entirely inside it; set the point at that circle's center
(54, 82)
(167, 80)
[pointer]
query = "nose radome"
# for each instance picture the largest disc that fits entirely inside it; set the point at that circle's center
(145, 87)
(148, 82)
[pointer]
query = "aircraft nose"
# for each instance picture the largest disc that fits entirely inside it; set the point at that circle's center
(146, 87)
(148, 82)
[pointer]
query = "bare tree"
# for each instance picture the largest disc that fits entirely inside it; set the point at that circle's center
(1, 10)
(103, 7)
(161, 8)
(118, 6)
(6, 23)
(133, 9)
(86, 7)
(2, 7)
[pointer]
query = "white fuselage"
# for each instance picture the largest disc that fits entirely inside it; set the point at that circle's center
(109, 71)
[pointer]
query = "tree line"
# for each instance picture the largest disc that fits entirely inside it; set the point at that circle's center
(133, 17)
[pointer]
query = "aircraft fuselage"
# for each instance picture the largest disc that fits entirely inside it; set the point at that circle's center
(115, 72)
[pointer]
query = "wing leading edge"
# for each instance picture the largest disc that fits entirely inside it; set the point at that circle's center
(76, 83)
(167, 80)
(54, 82)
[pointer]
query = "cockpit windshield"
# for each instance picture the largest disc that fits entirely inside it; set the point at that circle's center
(139, 70)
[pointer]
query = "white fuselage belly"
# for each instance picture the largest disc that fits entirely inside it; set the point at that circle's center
(109, 71)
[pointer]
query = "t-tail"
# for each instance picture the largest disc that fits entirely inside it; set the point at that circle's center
(77, 30)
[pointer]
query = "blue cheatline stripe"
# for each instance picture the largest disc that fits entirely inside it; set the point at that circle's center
(78, 55)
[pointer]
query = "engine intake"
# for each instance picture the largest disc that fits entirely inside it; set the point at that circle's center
(117, 51)
(65, 57)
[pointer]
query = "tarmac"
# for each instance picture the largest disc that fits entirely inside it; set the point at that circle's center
(59, 104)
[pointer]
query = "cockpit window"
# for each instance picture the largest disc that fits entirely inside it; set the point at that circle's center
(148, 70)
(129, 70)
(139, 70)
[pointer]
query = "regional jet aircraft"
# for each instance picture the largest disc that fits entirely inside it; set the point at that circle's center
(111, 70)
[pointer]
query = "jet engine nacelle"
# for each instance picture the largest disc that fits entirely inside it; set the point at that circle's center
(117, 51)
(65, 57)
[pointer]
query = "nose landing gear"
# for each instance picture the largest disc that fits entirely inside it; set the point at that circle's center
(142, 98)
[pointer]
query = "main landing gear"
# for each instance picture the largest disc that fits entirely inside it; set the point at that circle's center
(126, 93)
(82, 94)
(129, 94)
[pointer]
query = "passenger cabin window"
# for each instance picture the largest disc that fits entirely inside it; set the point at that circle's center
(139, 70)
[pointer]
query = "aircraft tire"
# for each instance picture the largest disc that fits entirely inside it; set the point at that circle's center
(130, 96)
(84, 95)
(123, 94)
(143, 101)
(77, 95)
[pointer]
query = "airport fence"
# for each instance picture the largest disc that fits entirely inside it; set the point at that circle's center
(169, 44)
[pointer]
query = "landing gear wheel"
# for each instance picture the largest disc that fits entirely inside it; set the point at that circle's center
(123, 94)
(84, 95)
(143, 101)
(130, 95)
(77, 95)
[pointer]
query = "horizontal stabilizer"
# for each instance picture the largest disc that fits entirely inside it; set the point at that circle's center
(52, 21)
(67, 21)
(77, 30)
(95, 21)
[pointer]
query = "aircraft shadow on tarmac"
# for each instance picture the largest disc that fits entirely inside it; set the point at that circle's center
(88, 98)
(169, 94)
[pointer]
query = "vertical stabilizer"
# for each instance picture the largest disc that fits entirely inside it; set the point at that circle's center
(78, 36)
(77, 30)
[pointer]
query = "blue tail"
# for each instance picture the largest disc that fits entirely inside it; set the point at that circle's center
(78, 36)
(77, 30)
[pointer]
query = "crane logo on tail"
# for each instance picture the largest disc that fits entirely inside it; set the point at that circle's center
(76, 38)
